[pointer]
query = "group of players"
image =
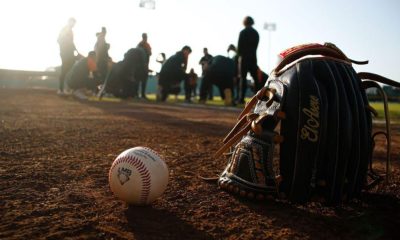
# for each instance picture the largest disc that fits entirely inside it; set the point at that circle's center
(124, 78)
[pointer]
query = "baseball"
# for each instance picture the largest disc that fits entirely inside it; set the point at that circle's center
(138, 176)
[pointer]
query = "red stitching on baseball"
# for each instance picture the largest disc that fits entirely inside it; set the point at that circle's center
(143, 172)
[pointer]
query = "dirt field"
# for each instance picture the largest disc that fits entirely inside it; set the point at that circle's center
(55, 153)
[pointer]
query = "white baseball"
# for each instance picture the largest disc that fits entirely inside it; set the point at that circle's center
(138, 176)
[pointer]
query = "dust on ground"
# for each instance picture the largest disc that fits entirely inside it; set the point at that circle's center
(55, 154)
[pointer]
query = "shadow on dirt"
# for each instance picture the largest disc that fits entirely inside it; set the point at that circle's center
(376, 217)
(150, 223)
(165, 115)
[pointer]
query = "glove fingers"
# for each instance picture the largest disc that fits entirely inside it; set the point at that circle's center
(362, 130)
(288, 129)
(305, 148)
(325, 132)
(339, 130)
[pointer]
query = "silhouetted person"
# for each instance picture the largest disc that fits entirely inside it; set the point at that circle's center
(172, 73)
(190, 85)
(204, 62)
(125, 74)
(101, 48)
(67, 51)
(220, 73)
(84, 76)
(247, 53)
(147, 48)
(259, 82)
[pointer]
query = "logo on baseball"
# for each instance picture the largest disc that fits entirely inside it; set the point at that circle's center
(138, 176)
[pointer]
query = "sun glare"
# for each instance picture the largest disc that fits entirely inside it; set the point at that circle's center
(29, 29)
(31, 40)
(32, 30)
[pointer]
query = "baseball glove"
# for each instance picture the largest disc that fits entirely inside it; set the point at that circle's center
(315, 111)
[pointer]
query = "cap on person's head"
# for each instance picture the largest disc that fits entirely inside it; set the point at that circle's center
(231, 47)
(248, 21)
(187, 48)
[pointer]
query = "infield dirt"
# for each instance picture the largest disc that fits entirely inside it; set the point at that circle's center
(55, 154)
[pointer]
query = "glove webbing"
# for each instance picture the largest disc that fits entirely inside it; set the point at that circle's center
(252, 121)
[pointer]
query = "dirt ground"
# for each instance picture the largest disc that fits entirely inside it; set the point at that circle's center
(55, 154)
